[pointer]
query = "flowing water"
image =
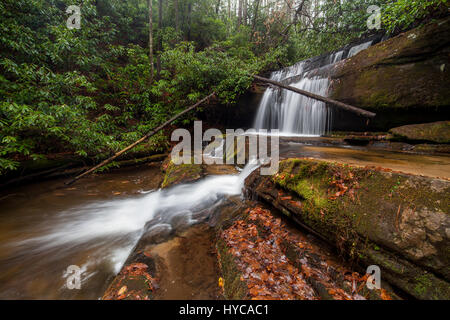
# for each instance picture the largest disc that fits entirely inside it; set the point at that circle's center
(46, 227)
(44, 230)
(294, 114)
(356, 49)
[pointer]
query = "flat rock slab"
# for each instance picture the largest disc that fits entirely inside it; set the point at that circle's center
(397, 221)
(436, 132)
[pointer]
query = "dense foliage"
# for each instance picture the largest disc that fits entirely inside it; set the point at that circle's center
(89, 91)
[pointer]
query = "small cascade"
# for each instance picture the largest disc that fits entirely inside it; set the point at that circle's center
(357, 49)
(98, 236)
(296, 115)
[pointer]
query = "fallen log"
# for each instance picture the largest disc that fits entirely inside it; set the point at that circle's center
(358, 111)
(148, 135)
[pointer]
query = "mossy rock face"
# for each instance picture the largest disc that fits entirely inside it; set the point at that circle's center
(359, 209)
(438, 132)
(234, 287)
(176, 174)
(409, 71)
(403, 274)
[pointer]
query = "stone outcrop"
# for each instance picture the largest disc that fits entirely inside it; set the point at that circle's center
(397, 221)
(435, 132)
(404, 79)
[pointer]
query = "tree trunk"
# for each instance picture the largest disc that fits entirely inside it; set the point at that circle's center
(177, 18)
(150, 38)
(217, 7)
(244, 12)
(239, 21)
(189, 21)
(255, 16)
(339, 104)
(158, 59)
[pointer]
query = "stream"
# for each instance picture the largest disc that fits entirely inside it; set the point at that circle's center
(95, 224)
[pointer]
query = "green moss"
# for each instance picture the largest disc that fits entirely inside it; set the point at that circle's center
(181, 173)
(397, 74)
(423, 284)
(437, 132)
(363, 220)
(372, 196)
(234, 288)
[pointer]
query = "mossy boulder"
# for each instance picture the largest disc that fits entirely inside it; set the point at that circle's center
(406, 74)
(402, 218)
(437, 132)
(178, 173)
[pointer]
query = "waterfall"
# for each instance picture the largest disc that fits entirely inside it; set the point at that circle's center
(279, 109)
(356, 49)
(294, 114)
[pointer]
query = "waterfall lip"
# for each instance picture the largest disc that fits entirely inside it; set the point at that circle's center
(299, 116)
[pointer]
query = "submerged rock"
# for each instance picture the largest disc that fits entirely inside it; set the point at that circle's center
(437, 132)
(397, 221)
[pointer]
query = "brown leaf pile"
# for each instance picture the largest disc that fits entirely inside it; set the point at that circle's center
(265, 268)
(342, 182)
(258, 245)
(135, 271)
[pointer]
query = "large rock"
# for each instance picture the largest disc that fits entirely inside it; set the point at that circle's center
(397, 221)
(438, 132)
(183, 173)
(403, 79)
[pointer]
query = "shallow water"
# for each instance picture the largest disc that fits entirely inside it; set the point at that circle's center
(435, 166)
(45, 228)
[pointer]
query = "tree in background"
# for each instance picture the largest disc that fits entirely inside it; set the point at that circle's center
(150, 39)
(92, 91)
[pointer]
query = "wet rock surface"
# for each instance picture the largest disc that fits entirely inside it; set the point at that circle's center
(376, 216)
(235, 250)
(435, 132)
(403, 79)
(263, 257)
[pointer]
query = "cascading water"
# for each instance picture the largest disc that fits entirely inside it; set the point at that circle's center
(294, 114)
(99, 236)
(356, 49)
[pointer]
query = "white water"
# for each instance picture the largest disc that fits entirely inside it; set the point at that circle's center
(357, 49)
(101, 235)
(294, 114)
